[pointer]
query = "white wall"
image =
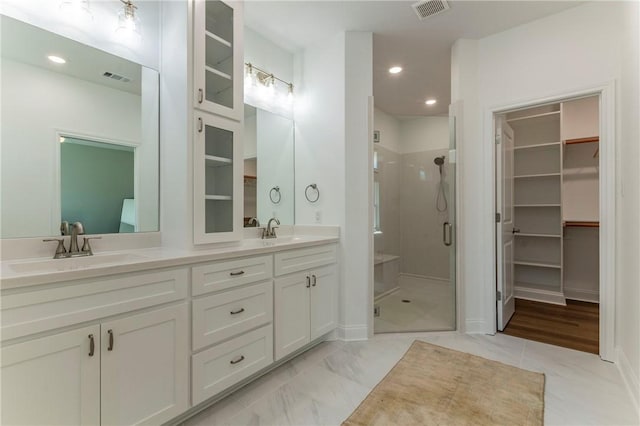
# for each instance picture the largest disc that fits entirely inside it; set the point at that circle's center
(569, 51)
(30, 150)
(389, 128)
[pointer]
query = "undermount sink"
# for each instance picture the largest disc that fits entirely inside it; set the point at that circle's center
(58, 265)
(270, 242)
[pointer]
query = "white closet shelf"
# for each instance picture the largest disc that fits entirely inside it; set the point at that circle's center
(520, 234)
(536, 205)
(536, 175)
(539, 145)
(537, 264)
(213, 161)
(218, 197)
(533, 116)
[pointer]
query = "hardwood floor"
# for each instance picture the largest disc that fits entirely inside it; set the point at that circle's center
(575, 326)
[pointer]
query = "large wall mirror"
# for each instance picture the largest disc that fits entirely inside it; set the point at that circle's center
(269, 167)
(79, 137)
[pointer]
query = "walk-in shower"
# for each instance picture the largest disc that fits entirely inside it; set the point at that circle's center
(414, 288)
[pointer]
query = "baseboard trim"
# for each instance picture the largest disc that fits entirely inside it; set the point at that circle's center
(349, 333)
(475, 327)
(592, 296)
(545, 296)
(631, 381)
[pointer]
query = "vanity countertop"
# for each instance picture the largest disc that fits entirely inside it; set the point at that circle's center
(35, 271)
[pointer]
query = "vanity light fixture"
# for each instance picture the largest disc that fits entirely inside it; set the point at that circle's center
(430, 101)
(129, 23)
(395, 70)
(76, 10)
(267, 81)
(56, 59)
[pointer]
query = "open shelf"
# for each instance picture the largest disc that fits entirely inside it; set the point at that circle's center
(537, 264)
(520, 234)
(541, 175)
(535, 205)
(538, 117)
(539, 145)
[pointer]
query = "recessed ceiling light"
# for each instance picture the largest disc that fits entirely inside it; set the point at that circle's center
(57, 59)
(430, 101)
(395, 70)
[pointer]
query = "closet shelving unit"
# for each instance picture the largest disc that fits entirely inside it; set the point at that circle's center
(538, 203)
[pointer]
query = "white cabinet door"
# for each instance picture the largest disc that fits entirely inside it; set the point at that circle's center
(145, 367)
(324, 300)
(291, 294)
(218, 57)
(217, 180)
(53, 380)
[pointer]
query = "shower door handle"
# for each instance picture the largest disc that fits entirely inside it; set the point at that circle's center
(446, 233)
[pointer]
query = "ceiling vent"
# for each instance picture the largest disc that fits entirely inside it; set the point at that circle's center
(429, 8)
(117, 77)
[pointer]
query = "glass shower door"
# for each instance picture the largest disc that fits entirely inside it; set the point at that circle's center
(414, 234)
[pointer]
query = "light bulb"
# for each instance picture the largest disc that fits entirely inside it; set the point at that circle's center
(128, 30)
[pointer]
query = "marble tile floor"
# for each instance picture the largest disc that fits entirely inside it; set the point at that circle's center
(324, 385)
(431, 307)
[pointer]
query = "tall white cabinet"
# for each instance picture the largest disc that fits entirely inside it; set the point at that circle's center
(218, 114)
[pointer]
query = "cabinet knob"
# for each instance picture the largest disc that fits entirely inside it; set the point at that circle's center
(110, 347)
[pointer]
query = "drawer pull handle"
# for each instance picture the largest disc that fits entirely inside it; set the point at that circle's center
(308, 281)
(200, 95)
(314, 280)
(110, 347)
(92, 345)
(237, 360)
(235, 274)
(239, 311)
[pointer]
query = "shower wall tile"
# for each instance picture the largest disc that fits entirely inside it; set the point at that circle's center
(422, 249)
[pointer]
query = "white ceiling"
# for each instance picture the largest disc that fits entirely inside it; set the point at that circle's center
(422, 48)
(31, 45)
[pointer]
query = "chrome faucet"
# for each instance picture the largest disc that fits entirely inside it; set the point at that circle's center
(254, 221)
(269, 231)
(74, 250)
(76, 229)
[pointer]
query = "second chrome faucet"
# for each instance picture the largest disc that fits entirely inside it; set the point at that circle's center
(270, 231)
(74, 250)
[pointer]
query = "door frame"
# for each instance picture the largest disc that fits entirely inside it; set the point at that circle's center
(607, 187)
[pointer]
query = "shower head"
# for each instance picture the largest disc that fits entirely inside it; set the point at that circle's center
(439, 161)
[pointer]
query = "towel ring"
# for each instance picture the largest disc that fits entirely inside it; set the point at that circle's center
(306, 194)
(272, 196)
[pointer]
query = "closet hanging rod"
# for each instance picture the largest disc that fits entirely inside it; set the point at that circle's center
(582, 140)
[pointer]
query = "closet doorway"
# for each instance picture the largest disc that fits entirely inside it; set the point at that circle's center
(548, 217)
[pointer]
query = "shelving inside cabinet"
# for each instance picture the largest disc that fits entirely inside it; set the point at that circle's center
(217, 179)
(218, 57)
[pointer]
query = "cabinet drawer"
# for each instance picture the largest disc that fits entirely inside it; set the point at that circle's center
(224, 365)
(223, 275)
(223, 315)
(304, 259)
(55, 306)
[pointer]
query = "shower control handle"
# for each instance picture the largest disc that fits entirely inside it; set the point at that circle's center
(446, 233)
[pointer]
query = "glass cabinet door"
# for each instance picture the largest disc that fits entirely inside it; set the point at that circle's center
(217, 180)
(218, 61)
